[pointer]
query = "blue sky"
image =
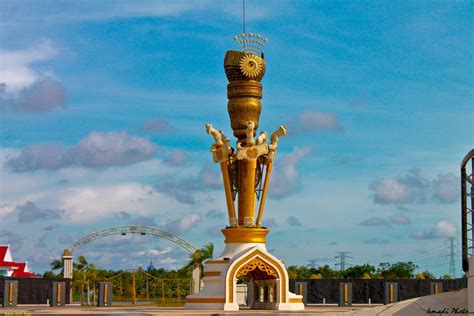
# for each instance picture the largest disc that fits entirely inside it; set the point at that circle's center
(103, 107)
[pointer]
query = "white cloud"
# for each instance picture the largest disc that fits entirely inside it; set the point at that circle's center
(78, 11)
(443, 229)
(96, 150)
(16, 68)
(6, 209)
(293, 221)
(446, 188)
(183, 190)
(43, 95)
(318, 121)
(285, 177)
(94, 203)
(411, 188)
(177, 158)
(155, 252)
(184, 223)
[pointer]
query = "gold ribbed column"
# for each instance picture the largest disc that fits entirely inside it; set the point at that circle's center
(246, 200)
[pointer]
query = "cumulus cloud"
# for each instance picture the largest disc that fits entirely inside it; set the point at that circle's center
(29, 212)
(95, 151)
(10, 238)
(177, 158)
(285, 177)
(270, 222)
(293, 221)
(411, 188)
(155, 126)
(155, 252)
(51, 227)
(23, 88)
(183, 224)
(446, 188)
(123, 216)
(86, 204)
(400, 219)
(375, 221)
(318, 121)
(443, 229)
(43, 95)
(377, 240)
(183, 190)
(142, 221)
(17, 71)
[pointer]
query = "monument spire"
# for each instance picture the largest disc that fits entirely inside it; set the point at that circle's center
(244, 169)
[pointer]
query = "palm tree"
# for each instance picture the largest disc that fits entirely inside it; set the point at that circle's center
(57, 264)
(88, 274)
(200, 255)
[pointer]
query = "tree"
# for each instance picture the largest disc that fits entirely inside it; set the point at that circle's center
(399, 270)
(357, 272)
(57, 264)
(49, 275)
(428, 275)
(199, 256)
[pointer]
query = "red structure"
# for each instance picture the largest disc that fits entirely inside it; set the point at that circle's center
(10, 268)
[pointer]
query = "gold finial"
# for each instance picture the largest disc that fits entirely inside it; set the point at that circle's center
(251, 43)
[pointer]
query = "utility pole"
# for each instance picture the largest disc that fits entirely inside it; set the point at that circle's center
(452, 265)
(343, 255)
(312, 263)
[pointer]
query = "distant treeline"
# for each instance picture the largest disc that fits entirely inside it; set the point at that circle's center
(385, 270)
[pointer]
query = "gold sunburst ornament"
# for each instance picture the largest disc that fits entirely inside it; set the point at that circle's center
(250, 65)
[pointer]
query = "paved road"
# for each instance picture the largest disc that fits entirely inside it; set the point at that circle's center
(155, 310)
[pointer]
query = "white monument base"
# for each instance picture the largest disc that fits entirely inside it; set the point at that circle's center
(270, 283)
(470, 285)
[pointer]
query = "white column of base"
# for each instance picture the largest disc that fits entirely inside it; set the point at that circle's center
(470, 285)
(196, 279)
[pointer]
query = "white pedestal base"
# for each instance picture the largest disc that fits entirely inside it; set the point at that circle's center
(220, 277)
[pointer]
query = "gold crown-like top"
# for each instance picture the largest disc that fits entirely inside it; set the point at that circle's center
(243, 66)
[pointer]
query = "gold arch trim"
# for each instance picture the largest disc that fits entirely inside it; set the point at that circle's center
(254, 264)
(270, 261)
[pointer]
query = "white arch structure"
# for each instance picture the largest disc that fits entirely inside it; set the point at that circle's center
(124, 230)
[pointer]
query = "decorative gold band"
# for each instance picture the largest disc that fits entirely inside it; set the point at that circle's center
(296, 300)
(241, 89)
(245, 235)
(212, 273)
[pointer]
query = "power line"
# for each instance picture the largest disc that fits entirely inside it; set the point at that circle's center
(452, 265)
(312, 263)
(343, 255)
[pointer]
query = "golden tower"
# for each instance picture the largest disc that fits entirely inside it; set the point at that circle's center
(246, 171)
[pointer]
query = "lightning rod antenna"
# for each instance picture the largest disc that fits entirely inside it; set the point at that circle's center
(243, 15)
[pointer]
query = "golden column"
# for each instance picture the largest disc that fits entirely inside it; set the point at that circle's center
(243, 169)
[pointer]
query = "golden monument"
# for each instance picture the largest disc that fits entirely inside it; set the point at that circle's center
(246, 174)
